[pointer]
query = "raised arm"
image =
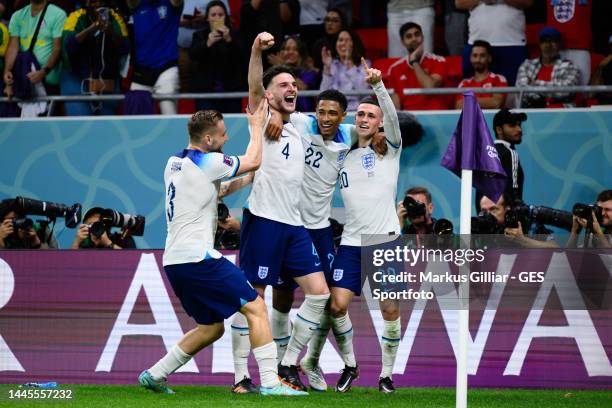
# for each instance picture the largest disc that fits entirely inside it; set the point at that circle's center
(252, 158)
(262, 42)
(233, 185)
(390, 119)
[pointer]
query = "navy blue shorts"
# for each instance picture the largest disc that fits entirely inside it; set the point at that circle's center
(211, 290)
(347, 272)
(272, 252)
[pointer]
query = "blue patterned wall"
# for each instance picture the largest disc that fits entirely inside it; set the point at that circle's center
(119, 162)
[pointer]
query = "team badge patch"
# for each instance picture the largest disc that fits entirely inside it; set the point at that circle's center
(564, 10)
(368, 161)
(162, 11)
(341, 156)
(338, 273)
(262, 272)
(228, 160)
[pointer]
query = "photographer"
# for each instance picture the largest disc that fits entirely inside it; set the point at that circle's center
(227, 235)
(17, 232)
(499, 212)
(94, 233)
(597, 229)
(416, 219)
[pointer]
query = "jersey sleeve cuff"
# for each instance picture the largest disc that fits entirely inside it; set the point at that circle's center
(237, 166)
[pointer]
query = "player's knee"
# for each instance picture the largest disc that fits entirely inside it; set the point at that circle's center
(390, 311)
(337, 309)
(255, 309)
(282, 300)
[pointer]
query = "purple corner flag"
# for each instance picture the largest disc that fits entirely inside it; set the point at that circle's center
(471, 148)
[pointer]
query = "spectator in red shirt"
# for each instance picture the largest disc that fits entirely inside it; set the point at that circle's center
(573, 19)
(417, 70)
(480, 58)
(548, 70)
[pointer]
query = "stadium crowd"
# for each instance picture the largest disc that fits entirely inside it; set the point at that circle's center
(143, 47)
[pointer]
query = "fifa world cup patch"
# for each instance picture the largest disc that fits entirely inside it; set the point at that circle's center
(262, 272)
(338, 274)
(228, 160)
(368, 161)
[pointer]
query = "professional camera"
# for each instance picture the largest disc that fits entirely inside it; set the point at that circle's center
(72, 215)
(337, 230)
(584, 211)
(23, 223)
(540, 215)
(414, 209)
(443, 227)
(111, 218)
(222, 212)
(486, 223)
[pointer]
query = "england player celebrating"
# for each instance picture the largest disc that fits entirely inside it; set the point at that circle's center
(368, 184)
(209, 286)
(274, 245)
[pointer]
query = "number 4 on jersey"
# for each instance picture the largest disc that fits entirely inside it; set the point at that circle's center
(285, 151)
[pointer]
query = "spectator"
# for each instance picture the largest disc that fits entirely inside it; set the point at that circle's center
(218, 53)
(603, 76)
(95, 44)
(47, 49)
(548, 70)
(502, 24)
(93, 233)
(455, 28)
(257, 16)
(290, 16)
(399, 12)
(4, 42)
(16, 234)
(313, 13)
(333, 23)
(572, 18)
(156, 24)
(192, 20)
(342, 69)
(480, 58)
(294, 54)
(417, 70)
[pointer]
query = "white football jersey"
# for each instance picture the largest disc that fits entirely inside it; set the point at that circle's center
(192, 180)
(276, 187)
(323, 160)
(368, 182)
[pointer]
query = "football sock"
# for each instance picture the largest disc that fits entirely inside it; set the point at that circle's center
(241, 346)
(279, 323)
(307, 322)
(343, 332)
(266, 360)
(318, 338)
(389, 343)
(172, 361)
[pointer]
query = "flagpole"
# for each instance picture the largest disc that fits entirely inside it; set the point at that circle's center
(464, 294)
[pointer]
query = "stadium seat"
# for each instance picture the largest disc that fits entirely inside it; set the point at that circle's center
(186, 106)
(374, 41)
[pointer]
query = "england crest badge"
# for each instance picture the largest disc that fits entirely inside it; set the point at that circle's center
(564, 10)
(368, 161)
(338, 273)
(262, 272)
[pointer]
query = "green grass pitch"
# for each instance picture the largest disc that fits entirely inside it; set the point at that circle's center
(207, 396)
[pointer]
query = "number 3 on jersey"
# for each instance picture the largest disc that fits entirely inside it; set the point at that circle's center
(343, 179)
(171, 194)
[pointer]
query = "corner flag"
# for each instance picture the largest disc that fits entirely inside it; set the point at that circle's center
(472, 148)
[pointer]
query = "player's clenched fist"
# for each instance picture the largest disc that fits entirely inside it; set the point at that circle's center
(263, 41)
